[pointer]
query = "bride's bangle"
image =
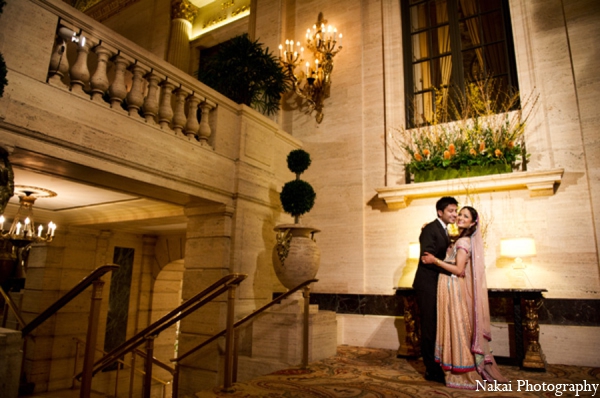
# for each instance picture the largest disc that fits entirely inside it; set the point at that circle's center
(437, 262)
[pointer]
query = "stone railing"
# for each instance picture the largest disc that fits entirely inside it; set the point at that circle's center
(92, 61)
(140, 88)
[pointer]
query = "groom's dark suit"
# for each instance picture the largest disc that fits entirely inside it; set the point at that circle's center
(434, 239)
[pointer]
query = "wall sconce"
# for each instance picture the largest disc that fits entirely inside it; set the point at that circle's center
(314, 82)
(517, 248)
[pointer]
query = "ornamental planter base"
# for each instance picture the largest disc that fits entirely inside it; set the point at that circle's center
(463, 172)
(296, 257)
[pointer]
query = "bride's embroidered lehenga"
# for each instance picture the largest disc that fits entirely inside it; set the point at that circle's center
(463, 320)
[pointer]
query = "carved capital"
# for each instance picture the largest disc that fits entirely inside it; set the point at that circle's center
(183, 9)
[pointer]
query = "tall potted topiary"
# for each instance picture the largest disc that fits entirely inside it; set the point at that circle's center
(296, 256)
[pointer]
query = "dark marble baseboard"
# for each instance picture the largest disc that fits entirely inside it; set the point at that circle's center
(573, 312)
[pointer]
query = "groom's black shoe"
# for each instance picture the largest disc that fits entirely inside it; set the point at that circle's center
(436, 377)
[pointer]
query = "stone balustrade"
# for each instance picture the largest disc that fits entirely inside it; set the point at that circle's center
(89, 67)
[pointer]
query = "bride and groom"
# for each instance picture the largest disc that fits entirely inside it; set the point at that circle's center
(451, 292)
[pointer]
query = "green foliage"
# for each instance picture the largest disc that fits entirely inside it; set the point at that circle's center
(3, 69)
(3, 73)
(297, 197)
(298, 161)
(488, 132)
(246, 73)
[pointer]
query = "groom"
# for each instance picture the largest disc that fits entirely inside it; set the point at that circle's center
(434, 239)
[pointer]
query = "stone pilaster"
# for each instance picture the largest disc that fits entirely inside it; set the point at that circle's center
(207, 259)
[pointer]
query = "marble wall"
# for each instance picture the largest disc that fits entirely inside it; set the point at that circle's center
(365, 241)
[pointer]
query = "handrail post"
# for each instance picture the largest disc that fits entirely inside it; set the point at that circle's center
(90, 343)
(132, 374)
(175, 393)
(306, 295)
(229, 337)
(148, 365)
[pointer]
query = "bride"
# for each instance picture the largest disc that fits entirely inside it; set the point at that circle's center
(463, 316)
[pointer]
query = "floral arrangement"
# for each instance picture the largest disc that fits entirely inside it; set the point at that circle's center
(486, 137)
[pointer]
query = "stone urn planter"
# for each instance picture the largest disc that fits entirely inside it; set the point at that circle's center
(296, 256)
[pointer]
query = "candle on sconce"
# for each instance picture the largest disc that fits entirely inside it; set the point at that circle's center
(18, 228)
(340, 36)
(307, 65)
(26, 227)
(1, 223)
(280, 50)
(40, 229)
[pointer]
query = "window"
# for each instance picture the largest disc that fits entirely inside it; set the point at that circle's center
(450, 43)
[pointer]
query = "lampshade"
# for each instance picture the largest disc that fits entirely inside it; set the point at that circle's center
(414, 250)
(517, 247)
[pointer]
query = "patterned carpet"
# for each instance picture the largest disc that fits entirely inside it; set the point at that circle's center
(374, 373)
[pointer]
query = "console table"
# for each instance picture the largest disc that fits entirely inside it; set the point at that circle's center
(527, 329)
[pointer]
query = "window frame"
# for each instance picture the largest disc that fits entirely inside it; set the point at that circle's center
(456, 52)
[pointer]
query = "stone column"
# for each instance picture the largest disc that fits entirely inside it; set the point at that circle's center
(207, 259)
(182, 15)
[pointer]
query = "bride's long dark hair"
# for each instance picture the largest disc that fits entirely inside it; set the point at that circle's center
(471, 230)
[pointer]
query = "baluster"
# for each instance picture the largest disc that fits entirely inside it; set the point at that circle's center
(205, 132)
(179, 118)
(135, 97)
(191, 127)
(117, 89)
(99, 81)
(80, 74)
(59, 64)
(150, 106)
(165, 111)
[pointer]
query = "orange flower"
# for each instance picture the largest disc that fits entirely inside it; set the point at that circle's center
(481, 147)
(446, 155)
(426, 153)
(511, 144)
(418, 156)
(472, 152)
(452, 149)
(498, 153)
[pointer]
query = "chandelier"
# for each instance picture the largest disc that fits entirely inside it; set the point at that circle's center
(23, 230)
(313, 83)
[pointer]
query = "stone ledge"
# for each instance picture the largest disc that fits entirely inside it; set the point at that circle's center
(539, 183)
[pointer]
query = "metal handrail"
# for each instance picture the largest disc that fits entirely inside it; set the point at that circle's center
(137, 352)
(245, 319)
(70, 295)
(13, 307)
(231, 341)
(169, 319)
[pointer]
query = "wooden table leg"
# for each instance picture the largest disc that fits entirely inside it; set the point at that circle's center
(411, 346)
(534, 357)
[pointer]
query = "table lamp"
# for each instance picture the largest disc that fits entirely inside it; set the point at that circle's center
(517, 248)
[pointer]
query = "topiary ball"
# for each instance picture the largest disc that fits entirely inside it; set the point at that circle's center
(298, 161)
(297, 197)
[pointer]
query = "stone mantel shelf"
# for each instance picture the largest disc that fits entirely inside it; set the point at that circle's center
(539, 183)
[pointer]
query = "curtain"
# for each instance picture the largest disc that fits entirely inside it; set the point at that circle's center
(445, 62)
